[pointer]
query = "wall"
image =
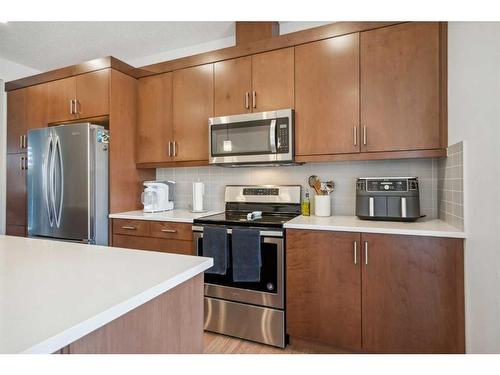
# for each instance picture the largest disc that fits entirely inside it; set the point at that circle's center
(474, 117)
(344, 175)
(8, 71)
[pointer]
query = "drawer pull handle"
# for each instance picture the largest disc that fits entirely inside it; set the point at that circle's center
(169, 230)
(129, 227)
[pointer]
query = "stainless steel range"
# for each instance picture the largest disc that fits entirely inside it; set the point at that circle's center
(253, 310)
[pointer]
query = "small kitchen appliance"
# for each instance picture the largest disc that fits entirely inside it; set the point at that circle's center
(388, 198)
(264, 138)
(253, 310)
(157, 196)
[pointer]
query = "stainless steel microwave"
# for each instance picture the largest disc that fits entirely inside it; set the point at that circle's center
(264, 138)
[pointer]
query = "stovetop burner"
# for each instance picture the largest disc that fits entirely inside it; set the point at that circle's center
(278, 205)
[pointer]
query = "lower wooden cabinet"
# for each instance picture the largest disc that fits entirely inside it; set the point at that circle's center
(15, 230)
(375, 292)
(16, 189)
(161, 236)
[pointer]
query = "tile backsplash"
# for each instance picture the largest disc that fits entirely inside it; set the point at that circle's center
(451, 186)
(344, 175)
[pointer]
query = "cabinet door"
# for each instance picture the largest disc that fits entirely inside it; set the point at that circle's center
(154, 118)
(16, 120)
(61, 93)
(273, 80)
(413, 298)
(15, 230)
(327, 96)
(153, 244)
(92, 93)
(233, 85)
(323, 287)
(193, 105)
(400, 87)
(16, 190)
(36, 106)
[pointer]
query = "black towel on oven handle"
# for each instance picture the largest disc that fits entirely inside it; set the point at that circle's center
(215, 246)
(246, 254)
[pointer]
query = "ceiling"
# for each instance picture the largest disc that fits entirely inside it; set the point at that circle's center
(49, 45)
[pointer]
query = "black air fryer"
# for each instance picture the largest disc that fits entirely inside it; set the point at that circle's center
(388, 198)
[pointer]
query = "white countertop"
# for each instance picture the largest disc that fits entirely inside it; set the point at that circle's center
(53, 293)
(176, 215)
(422, 227)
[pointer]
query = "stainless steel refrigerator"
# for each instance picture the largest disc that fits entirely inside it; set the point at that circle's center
(68, 183)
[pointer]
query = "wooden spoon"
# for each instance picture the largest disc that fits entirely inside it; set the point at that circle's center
(315, 183)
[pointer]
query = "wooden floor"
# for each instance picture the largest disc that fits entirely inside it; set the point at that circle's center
(220, 344)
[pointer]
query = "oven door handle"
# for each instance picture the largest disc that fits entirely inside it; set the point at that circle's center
(263, 233)
(272, 135)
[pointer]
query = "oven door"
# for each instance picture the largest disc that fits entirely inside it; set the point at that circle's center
(264, 137)
(268, 292)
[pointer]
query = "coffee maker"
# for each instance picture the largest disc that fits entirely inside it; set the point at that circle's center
(158, 196)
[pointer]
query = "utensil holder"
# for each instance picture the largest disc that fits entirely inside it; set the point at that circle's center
(322, 205)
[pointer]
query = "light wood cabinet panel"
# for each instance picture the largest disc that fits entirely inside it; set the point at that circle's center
(273, 80)
(323, 285)
(36, 106)
(193, 105)
(131, 227)
(60, 95)
(175, 231)
(154, 118)
(92, 93)
(413, 298)
(16, 120)
(233, 85)
(327, 96)
(16, 190)
(400, 87)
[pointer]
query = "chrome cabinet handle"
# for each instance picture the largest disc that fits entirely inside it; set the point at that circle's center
(169, 148)
(71, 107)
(169, 230)
(175, 148)
(365, 136)
(254, 99)
(21, 141)
(247, 100)
(366, 252)
(77, 107)
(355, 135)
(25, 141)
(129, 227)
(355, 252)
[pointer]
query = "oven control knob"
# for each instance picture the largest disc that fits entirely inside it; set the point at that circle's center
(386, 187)
(270, 286)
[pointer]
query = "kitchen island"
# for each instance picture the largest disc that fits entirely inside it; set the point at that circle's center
(75, 298)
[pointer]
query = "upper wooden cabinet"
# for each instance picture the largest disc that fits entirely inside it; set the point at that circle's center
(324, 287)
(154, 119)
(83, 96)
(327, 96)
(16, 120)
(400, 76)
(257, 83)
(193, 104)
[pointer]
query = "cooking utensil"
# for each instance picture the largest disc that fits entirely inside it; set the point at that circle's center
(328, 186)
(315, 183)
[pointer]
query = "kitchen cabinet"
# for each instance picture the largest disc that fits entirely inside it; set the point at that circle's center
(193, 104)
(402, 294)
(154, 119)
(257, 83)
(400, 93)
(15, 230)
(413, 298)
(16, 121)
(82, 96)
(161, 236)
(327, 96)
(324, 287)
(16, 189)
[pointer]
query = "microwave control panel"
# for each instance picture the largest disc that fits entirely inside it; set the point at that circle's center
(282, 136)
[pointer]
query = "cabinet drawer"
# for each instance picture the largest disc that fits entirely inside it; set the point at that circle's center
(175, 231)
(154, 244)
(131, 227)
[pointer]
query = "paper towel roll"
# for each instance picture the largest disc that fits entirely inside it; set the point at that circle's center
(198, 191)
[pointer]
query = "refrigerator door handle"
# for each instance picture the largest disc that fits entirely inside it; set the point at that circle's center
(57, 150)
(46, 179)
(52, 181)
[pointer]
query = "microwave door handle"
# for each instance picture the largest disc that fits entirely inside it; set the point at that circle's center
(272, 136)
